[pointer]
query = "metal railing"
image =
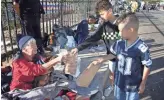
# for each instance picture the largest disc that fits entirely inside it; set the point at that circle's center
(61, 12)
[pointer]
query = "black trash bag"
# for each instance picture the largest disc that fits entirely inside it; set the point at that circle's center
(6, 77)
(5, 88)
(7, 96)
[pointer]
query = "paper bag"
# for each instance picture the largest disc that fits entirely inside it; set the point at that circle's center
(72, 65)
(86, 77)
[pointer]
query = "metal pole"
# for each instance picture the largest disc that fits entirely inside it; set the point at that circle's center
(43, 18)
(54, 5)
(61, 12)
(50, 3)
(70, 13)
(8, 25)
(58, 13)
(46, 18)
(54, 14)
(72, 7)
(3, 38)
(15, 24)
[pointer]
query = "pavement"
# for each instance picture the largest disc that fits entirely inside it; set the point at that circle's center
(152, 32)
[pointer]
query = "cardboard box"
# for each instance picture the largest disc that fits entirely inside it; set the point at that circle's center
(86, 77)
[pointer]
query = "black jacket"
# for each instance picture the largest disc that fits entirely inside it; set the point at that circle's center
(106, 31)
(30, 7)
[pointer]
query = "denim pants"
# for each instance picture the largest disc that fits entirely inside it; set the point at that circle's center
(122, 95)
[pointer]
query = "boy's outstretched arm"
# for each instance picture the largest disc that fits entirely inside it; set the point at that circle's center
(91, 40)
(146, 72)
(104, 58)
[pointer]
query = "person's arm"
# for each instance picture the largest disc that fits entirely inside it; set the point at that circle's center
(104, 58)
(32, 69)
(146, 73)
(92, 39)
(28, 68)
(51, 63)
(111, 56)
(147, 63)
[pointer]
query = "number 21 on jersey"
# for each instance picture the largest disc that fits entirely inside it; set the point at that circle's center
(127, 62)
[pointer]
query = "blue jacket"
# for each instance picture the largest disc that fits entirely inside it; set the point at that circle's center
(82, 31)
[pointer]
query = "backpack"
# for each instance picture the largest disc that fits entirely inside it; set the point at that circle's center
(63, 36)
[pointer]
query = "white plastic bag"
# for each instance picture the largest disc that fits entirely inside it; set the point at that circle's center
(71, 42)
(78, 67)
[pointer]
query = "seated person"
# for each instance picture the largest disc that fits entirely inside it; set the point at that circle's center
(82, 29)
(28, 64)
(92, 20)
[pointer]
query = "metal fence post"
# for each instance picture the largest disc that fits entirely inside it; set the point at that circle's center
(61, 12)
(43, 21)
(46, 18)
(4, 41)
(15, 24)
(8, 25)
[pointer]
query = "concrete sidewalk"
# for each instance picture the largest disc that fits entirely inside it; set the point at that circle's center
(152, 35)
(152, 31)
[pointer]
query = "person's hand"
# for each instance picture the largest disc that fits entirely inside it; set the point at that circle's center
(74, 51)
(98, 61)
(65, 58)
(142, 88)
(111, 77)
(59, 58)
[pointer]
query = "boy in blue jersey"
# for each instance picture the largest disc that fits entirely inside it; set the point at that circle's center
(133, 61)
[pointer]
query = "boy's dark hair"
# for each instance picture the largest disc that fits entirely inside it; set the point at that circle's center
(131, 19)
(123, 17)
(103, 5)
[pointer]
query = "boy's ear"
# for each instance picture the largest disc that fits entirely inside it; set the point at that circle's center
(132, 29)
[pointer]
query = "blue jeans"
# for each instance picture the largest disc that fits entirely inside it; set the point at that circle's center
(122, 95)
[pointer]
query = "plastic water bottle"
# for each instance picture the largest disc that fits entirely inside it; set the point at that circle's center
(78, 67)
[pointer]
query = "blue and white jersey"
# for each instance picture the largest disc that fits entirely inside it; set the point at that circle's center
(130, 63)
